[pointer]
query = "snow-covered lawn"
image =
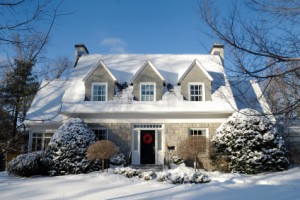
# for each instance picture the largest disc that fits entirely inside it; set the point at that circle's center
(97, 185)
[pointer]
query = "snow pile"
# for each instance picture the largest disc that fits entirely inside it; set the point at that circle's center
(29, 164)
(251, 143)
(68, 147)
(180, 175)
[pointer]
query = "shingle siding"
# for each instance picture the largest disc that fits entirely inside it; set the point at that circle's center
(148, 75)
(100, 75)
(196, 75)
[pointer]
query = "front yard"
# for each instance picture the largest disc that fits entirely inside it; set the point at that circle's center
(98, 185)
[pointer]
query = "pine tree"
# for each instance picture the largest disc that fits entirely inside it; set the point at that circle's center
(17, 90)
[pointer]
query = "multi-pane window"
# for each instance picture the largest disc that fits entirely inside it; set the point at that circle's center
(37, 139)
(195, 132)
(196, 92)
(99, 92)
(148, 92)
(40, 141)
(101, 134)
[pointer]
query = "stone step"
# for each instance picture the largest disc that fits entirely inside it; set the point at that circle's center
(148, 167)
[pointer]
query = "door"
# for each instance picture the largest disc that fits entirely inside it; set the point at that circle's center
(147, 146)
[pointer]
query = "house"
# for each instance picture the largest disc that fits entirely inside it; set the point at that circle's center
(145, 103)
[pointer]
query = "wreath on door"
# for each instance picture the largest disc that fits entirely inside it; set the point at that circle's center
(147, 138)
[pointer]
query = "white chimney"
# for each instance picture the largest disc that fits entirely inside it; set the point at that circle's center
(217, 49)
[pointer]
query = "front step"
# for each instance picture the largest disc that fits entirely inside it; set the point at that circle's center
(148, 166)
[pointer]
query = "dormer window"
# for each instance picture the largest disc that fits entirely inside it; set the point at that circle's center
(148, 91)
(99, 92)
(196, 92)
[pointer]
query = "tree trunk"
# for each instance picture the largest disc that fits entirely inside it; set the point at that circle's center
(102, 165)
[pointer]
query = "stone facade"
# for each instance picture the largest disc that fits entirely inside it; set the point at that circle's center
(120, 134)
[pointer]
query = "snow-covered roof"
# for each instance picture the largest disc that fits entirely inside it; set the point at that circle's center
(46, 105)
(125, 66)
(67, 97)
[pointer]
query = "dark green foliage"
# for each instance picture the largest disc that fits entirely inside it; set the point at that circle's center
(68, 147)
(30, 164)
(250, 143)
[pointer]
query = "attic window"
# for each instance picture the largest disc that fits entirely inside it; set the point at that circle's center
(196, 91)
(99, 91)
(147, 92)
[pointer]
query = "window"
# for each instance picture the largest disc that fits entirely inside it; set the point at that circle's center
(101, 134)
(40, 141)
(196, 91)
(196, 132)
(99, 92)
(37, 139)
(148, 91)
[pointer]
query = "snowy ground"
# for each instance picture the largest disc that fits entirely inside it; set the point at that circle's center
(97, 185)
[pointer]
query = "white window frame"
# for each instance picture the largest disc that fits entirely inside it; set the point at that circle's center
(198, 129)
(197, 83)
(154, 92)
(100, 128)
(41, 136)
(99, 84)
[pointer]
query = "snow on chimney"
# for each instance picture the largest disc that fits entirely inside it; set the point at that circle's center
(217, 49)
(80, 49)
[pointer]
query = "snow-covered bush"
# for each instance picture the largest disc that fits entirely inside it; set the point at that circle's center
(127, 171)
(176, 160)
(179, 175)
(251, 143)
(68, 147)
(148, 175)
(29, 164)
(117, 159)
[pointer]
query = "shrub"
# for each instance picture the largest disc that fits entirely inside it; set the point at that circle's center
(68, 147)
(251, 143)
(30, 164)
(117, 159)
(191, 147)
(102, 150)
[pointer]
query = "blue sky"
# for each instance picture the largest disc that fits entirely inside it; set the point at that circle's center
(129, 26)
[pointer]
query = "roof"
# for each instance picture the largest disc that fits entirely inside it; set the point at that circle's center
(125, 66)
(198, 64)
(102, 64)
(46, 104)
(69, 96)
(147, 63)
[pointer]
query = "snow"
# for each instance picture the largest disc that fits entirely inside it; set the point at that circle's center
(98, 185)
(46, 104)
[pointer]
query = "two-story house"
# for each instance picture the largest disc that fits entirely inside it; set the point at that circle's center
(144, 103)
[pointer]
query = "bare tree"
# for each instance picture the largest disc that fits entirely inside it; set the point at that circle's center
(191, 147)
(102, 149)
(264, 44)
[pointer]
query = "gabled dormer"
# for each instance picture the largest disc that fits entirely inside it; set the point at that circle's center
(196, 83)
(148, 83)
(99, 83)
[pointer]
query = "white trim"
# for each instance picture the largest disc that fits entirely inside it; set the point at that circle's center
(99, 83)
(148, 83)
(159, 154)
(148, 62)
(197, 83)
(91, 71)
(201, 129)
(101, 128)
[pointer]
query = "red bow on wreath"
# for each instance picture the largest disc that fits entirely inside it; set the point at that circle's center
(147, 138)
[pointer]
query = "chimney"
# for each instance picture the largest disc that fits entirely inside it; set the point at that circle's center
(80, 49)
(217, 49)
